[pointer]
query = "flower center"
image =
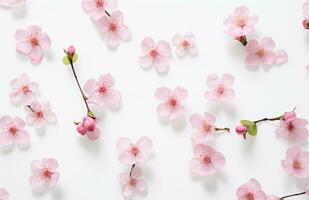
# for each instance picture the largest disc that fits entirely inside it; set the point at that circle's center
(46, 173)
(153, 53)
(206, 127)
(134, 150)
(112, 27)
(25, 89)
(290, 126)
(250, 196)
(185, 44)
(172, 102)
(296, 164)
(34, 41)
(39, 114)
(220, 89)
(260, 52)
(240, 21)
(102, 90)
(133, 181)
(99, 3)
(207, 160)
(13, 130)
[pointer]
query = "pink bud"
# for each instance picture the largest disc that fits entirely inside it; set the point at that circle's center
(71, 50)
(306, 23)
(307, 190)
(288, 116)
(81, 129)
(89, 123)
(241, 130)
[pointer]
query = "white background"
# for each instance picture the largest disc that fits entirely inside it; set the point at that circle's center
(89, 170)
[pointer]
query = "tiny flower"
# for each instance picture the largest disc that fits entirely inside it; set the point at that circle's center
(101, 92)
(132, 183)
(44, 173)
(4, 195)
(12, 3)
(130, 153)
(89, 128)
(71, 50)
(241, 130)
(97, 8)
(206, 161)
(250, 191)
(220, 88)
(71, 56)
(240, 23)
(32, 42)
(185, 44)
(114, 28)
(23, 90)
(293, 129)
(296, 162)
(272, 197)
(155, 54)
(171, 107)
(12, 131)
(205, 127)
(40, 113)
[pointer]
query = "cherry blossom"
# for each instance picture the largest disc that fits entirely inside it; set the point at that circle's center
(155, 54)
(306, 14)
(97, 8)
(4, 195)
(101, 92)
(39, 113)
(263, 52)
(44, 173)
(130, 153)
(220, 88)
(32, 41)
(296, 162)
(251, 191)
(12, 131)
(89, 128)
(206, 161)
(12, 3)
(131, 183)
(171, 107)
(23, 90)
(114, 28)
(185, 44)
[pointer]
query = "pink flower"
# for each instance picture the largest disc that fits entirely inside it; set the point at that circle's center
(296, 162)
(44, 173)
(88, 127)
(240, 23)
(171, 107)
(241, 130)
(185, 44)
(288, 116)
(12, 3)
(132, 183)
(306, 14)
(12, 131)
(32, 41)
(155, 54)
(220, 88)
(272, 197)
(250, 191)
(293, 129)
(263, 52)
(39, 114)
(4, 195)
(130, 153)
(206, 161)
(114, 28)
(101, 92)
(97, 8)
(205, 126)
(23, 90)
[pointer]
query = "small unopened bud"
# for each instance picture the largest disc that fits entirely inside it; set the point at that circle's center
(306, 23)
(241, 130)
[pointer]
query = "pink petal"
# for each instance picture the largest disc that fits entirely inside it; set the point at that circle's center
(147, 45)
(23, 137)
(163, 93)
(36, 55)
(128, 191)
(268, 44)
(164, 48)
(104, 24)
(201, 137)
(124, 32)
(123, 144)
(253, 61)
(54, 179)
(161, 64)
(36, 181)
(21, 35)
(35, 29)
(4, 195)
(145, 61)
(45, 41)
(293, 153)
(113, 99)
(136, 173)
(227, 80)
(218, 160)
(94, 135)
(181, 93)
(127, 158)
(180, 52)
(241, 11)
(112, 39)
(144, 143)
(141, 186)
(210, 118)
(211, 96)
(212, 80)
(269, 58)
(117, 17)
(90, 86)
(177, 112)
(281, 57)
(164, 110)
(97, 13)
(193, 51)
(252, 20)
(196, 121)
(227, 95)
(23, 47)
(6, 139)
(177, 39)
(124, 178)
(88, 5)
(252, 47)
(201, 149)
(5, 120)
(111, 4)
(195, 166)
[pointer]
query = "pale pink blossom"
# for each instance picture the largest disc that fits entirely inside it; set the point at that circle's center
(32, 41)
(272, 197)
(306, 14)
(89, 128)
(155, 54)
(296, 162)
(12, 3)
(132, 183)
(97, 8)
(240, 23)
(39, 113)
(205, 126)
(12, 131)
(44, 173)
(114, 28)
(220, 89)
(292, 128)
(171, 107)
(185, 44)
(264, 52)
(130, 153)
(251, 191)
(23, 90)
(4, 195)
(206, 160)
(101, 92)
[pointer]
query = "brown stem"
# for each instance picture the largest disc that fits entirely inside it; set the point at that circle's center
(107, 13)
(133, 166)
(242, 40)
(28, 106)
(268, 119)
(292, 195)
(222, 129)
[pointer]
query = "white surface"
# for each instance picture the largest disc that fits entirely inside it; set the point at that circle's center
(89, 170)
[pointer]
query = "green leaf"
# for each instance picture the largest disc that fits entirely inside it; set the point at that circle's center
(251, 126)
(65, 60)
(90, 114)
(75, 57)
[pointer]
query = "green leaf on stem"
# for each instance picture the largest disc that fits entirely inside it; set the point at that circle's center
(66, 60)
(75, 57)
(90, 114)
(251, 126)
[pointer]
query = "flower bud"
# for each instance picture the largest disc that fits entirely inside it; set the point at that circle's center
(288, 116)
(306, 23)
(89, 123)
(71, 51)
(81, 129)
(241, 130)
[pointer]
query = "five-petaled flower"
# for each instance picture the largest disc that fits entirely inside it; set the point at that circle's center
(296, 162)
(205, 126)
(172, 107)
(131, 183)
(4, 195)
(251, 191)
(97, 8)
(130, 153)
(185, 44)
(155, 54)
(44, 173)
(206, 161)
(220, 88)
(89, 128)
(32, 41)
(12, 131)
